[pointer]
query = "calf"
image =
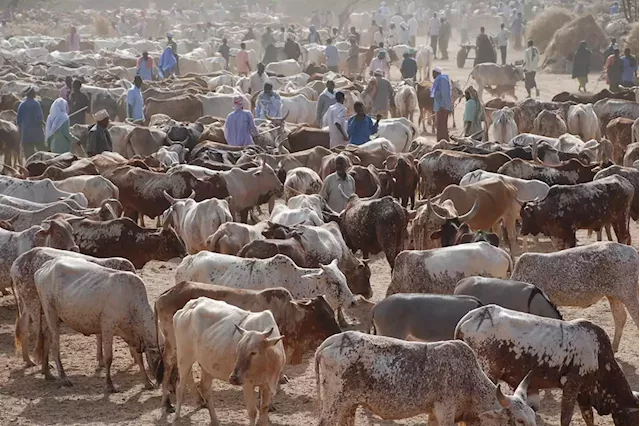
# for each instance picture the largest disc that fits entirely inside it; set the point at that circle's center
(284, 215)
(123, 237)
(618, 131)
(301, 180)
(405, 174)
(569, 172)
(195, 221)
(93, 299)
(258, 274)
(231, 344)
(439, 270)
(549, 123)
(575, 356)
(355, 369)
(306, 322)
(425, 317)
(231, 237)
(515, 295)
(53, 233)
(581, 276)
(591, 205)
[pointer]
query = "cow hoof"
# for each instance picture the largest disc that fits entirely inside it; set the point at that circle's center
(66, 383)
(49, 376)
(28, 364)
(149, 386)
(111, 389)
(272, 408)
(284, 379)
(169, 409)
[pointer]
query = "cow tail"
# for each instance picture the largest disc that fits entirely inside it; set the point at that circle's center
(160, 368)
(17, 341)
(317, 366)
(39, 352)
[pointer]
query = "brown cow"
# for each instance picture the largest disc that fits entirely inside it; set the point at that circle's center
(305, 138)
(618, 131)
(527, 111)
(566, 173)
(405, 173)
(549, 123)
(588, 98)
(181, 108)
(369, 179)
(303, 323)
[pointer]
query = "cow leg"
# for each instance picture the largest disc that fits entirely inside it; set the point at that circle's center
(444, 414)
(265, 402)
(607, 229)
(168, 359)
(205, 381)
(619, 319)
(184, 370)
(250, 402)
(99, 355)
(586, 411)
(107, 350)
(243, 215)
(46, 370)
(533, 399)
(137, 356)
(569, 396)
(22, 335)
(621, 228)
(340, 316)
(54, 330)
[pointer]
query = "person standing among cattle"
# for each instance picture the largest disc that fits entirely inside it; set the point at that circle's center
(338, 186)
(30, 120)
(613, 67)
(174, 50)
(78, 101)
(503, 42)
(57, 135)
(413, 30)
(379, 63)
(223, 50)
(66, 89)
(336, 120)
(258, 79)
(268, 103)
(484, 49)
(73, 40)
(135, 102)
(441, 94)
(314, 37)
(443, 38)
(168, 63)
(242, 61)
(144, 67)
(474, 114)
(292, 48)
(353, 60)
(581, 66)
(325, 100)
(517, 28)
(331, 55)
(269, 45)
(531, 60)
(409, 67)
(239, 126)
(360, 126)
(434, 32)
(382, 102)
(99, 138)
(353, 33)
(629, 69)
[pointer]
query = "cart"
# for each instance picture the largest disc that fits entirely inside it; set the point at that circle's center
(463, 54)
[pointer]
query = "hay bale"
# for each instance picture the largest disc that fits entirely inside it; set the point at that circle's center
(631, 39)
(545, 24)
(566, 40)
(101, 26)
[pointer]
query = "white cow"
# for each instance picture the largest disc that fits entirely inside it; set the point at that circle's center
(196, 221)
(258, 274)
(287, 67)
(301, 180)
(284, 215)
(166, 157)
(96, 188)
(232, 236)
(231, 344)
(221, 80)
(220, 105)
(439, 270)
(583, 121)
(399, 131)
(424, 58)
(504, 125)
(40, 191)
(92, 299)
(299, 109)
(528, 190)
(406, 100)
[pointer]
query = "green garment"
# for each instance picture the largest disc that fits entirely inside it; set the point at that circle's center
(60, 141)
(474, 115)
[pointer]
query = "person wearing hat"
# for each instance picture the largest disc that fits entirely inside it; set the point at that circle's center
(441, 94)
(58, 137)
(268, 103)
(174, 50)
(167, 63)
(239, 126)
(379, 63)
(144, 67)
(78, 101)
(30, 120)
(383, 101)
(99, 138)
(336, 120)
(326, 99)
(135, 102)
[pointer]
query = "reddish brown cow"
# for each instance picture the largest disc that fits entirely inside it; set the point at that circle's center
(405, 173)
(618, 131)
(369, 179)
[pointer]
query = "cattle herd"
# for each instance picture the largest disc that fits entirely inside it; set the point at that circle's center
(266, 273)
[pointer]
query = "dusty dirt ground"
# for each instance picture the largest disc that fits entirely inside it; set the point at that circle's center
(27, 399)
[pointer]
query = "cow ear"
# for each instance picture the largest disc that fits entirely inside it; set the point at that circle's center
(272, 341)
(240, 329)
(41, 237)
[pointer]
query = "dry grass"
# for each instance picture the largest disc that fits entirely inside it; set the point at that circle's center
(101, 25)
(631, 39)
(544, 26)
(566, 40)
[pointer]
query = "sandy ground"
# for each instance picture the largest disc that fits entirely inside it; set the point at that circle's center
(27, 399)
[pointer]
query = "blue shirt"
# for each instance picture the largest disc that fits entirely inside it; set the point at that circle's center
(136, 103)
(359, 131)
(516, 27)
(628, 72)
(30, 122)
(331, 53)
(268, 105)
(144, 71)
(239, 127)
(441, 93)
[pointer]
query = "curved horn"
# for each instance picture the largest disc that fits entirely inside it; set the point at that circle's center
(192, 195)
(267, 115)
(375, 195)
(433, 211)
(523, 387)
(534, 152)
(471, 213)
(285, 117)
(168, 197)
(268, 332)
(535, 200)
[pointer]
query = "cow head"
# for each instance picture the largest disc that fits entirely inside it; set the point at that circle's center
(167, 245)
(359, 276)
(515, 72)
(213, 186)
(450, 229)
(514, 409)
(332, 282)
(313, 321)
(57, 234)
(254, 354)
(268, 181)
(478, 236)
(529, 220)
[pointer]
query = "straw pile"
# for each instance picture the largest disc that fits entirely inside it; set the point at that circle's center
(101, 26)
(566, 40)
(545, 24)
